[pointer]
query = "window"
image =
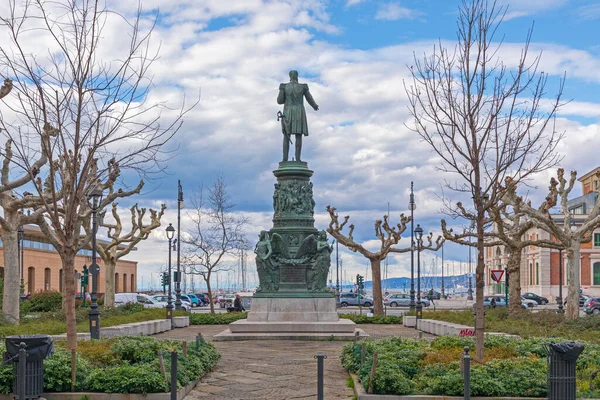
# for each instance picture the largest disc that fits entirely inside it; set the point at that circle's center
(125, 282)
(132, 286)
(117, 283)
(60, 280)
(530, 274)
(596, 239)
(47, 279)
(580, 210)
(537, 273)
(31, 280)
(596, 274)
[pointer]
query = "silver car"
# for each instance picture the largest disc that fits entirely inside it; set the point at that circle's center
(351, 299)
(402, 300)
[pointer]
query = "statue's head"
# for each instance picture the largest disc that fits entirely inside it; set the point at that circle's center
(293, 76)
(323, 235)
(262, 235)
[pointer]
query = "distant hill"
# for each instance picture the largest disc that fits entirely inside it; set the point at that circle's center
(456, 282)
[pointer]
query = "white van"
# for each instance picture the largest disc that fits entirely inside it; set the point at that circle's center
(145, 300)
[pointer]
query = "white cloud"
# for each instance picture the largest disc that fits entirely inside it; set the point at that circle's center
(521, 8)
(394, 12)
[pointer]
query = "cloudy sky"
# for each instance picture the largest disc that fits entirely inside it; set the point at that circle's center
(354, 56)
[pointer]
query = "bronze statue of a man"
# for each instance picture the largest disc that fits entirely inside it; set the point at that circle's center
(292, 95)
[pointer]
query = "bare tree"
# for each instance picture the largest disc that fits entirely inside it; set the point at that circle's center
(101, 112)
(218, 233)
(121, 244)
(563, 228)
(388, 236)
(483, 119)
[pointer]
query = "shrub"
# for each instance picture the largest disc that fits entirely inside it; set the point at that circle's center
(375, 319)
(217, 319)
(57, 372)
(126, 378)
(43, 302)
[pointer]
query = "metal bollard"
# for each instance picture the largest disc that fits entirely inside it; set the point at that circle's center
(420, 334)
(173, 375)
(320, 357)
(467, 373)
(22, 370)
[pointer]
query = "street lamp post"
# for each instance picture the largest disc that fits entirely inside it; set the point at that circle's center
(470, 289)
(178, 281)
(20, 243)
(443, 270)
(337, 274)
(419, 236)
(560, 282)
(94, 200)
(170, 234)
(411, 207)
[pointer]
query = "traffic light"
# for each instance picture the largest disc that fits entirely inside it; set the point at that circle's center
(360, 282)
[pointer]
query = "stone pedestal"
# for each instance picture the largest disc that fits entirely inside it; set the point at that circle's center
(293, 260)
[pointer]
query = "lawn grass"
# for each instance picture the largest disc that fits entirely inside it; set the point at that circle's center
(546, 323)
(54, 323)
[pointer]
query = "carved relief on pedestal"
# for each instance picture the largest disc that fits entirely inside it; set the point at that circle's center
(293, 197)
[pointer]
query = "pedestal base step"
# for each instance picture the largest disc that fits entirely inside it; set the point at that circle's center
(228, 335)
(339, 326)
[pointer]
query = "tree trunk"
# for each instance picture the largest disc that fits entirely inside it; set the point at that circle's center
(376, 280)
(514, 280)
(68, 259)
(12, 276)
(210, 296)
(479, 285)
(109, 282)
(573, 272)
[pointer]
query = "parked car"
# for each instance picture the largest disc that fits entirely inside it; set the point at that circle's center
(592, 306)
(582, 299)
(500, 301)
(351, 299)
(537, 298)
(226, 300)
(124, 298)
(202, 299)
(436, 295)
(528, 302)
(165, 298)
(194, 301)
(148, 302)
(402, 300)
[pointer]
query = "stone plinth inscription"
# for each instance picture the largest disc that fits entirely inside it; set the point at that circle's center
(293, 274)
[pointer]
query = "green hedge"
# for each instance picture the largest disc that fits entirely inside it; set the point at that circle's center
(121, 365)
(54, 323)
(375, 319)
(545, 323)
(216, 319)
(512, 367)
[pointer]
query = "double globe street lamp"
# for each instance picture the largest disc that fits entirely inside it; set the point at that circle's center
(418, 234)
(412, 206)
(170, 235)
(94, 201)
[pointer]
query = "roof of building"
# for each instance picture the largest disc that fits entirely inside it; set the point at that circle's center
(592, 172)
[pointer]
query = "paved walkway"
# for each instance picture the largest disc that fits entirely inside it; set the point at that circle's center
(274, 369)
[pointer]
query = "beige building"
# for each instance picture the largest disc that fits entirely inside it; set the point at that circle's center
(43, 267)
(540, 266)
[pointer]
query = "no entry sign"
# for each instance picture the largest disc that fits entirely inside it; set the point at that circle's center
(497, 274)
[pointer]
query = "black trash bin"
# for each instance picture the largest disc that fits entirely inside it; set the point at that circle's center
(562, 359)
(39, 347)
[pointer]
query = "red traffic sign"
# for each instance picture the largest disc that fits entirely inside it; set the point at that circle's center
(497, 274)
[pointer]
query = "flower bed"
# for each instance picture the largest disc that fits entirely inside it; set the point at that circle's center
(511, 368)
(120, 365)
(216, 319)
(375, 319)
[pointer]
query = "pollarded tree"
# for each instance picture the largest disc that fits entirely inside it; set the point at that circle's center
(104, 119)
(120, 244)
(509, 229)
(12, 205)
(484, 119)
(388, 236)
(569, 231)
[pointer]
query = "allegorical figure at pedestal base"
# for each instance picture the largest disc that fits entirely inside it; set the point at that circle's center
(294, 122)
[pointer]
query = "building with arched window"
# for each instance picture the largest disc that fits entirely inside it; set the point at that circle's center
(541, 267)
(43, 267)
